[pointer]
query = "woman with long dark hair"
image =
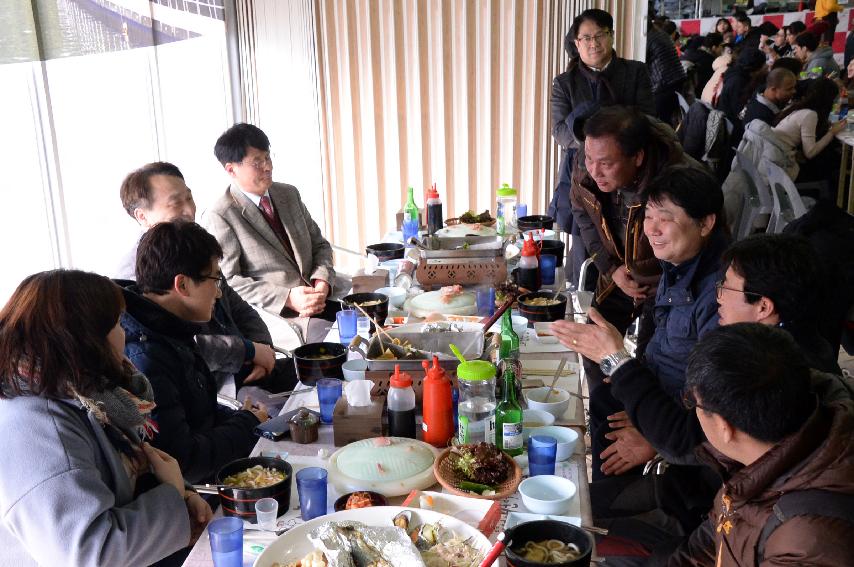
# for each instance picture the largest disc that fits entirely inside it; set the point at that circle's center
(723, 26)
(79, 484)
(805, 129)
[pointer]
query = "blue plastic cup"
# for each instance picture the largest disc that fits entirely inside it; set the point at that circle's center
(485, 301)
(328, 392)
(548, 263)
(226, 535)
(521, 210)
(311, 486)
(346, 325)
(542, 451)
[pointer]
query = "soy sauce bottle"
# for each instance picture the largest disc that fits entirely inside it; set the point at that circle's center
(529, 266)
(434, 211)
(401, 405)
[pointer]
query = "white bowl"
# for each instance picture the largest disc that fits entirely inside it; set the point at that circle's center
(532, 418)
(354, 369)
(547, 494)
(557, 404)
(519, 323)
(565, 436)
(396, 295)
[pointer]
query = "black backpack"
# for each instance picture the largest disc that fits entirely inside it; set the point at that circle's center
(814, 502)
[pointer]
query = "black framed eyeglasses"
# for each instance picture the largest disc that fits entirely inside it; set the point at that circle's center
(719, 286)
(220, 280)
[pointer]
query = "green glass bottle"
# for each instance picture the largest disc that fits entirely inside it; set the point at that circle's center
(411, 218)
(509, 338)
(508, 419)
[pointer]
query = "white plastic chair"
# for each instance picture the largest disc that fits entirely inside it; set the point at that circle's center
(788, 204)
(758, 203)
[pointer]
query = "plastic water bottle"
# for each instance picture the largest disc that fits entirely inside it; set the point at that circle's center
(476, 409)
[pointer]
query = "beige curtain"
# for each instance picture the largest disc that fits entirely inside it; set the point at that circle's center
(451, 92)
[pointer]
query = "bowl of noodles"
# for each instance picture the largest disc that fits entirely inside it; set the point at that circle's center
(319, 360)
(547, 542)
(245, 481)
(542, 306)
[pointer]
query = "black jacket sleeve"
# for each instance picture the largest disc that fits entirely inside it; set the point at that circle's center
(201, 453)
(664, 422)
(561, 107)
(245, 318)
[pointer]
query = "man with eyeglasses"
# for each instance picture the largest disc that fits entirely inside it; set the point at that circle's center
(783, 449)
(595, 77)
(178, 283)
(236, 342)
(274, 255)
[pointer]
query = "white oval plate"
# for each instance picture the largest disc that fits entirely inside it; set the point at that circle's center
(294, 545)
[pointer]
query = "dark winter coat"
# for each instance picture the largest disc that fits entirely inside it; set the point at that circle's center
(201, 435)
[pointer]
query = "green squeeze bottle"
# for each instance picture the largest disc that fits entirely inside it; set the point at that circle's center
(508, 418)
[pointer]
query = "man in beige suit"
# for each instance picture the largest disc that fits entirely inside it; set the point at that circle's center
(273, 253)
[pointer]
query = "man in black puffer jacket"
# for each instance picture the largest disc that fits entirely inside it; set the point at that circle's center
(178, 282)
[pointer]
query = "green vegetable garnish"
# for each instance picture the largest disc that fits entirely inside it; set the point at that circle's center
(475, 487)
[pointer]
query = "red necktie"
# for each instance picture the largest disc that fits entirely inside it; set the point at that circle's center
(275, 223)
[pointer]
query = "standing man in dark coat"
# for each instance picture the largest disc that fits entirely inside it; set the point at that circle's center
(595, 77)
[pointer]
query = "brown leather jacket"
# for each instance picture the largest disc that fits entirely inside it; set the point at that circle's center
(597, 229)
(819, 456)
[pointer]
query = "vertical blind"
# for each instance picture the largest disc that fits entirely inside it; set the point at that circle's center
(451, 92)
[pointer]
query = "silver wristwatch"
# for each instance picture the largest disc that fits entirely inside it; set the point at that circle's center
(612, 361)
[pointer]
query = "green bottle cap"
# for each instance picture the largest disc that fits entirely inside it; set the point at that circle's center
(475, 370)
(506, 191)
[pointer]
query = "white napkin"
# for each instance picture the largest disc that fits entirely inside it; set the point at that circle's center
(358, 392)
(371, 263)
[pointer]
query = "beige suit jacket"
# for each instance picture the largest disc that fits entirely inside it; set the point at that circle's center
(254, 261)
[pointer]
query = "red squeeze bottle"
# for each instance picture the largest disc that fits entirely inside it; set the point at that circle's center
(437, 423)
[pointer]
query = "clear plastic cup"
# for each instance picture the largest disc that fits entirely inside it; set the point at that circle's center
(267, 511)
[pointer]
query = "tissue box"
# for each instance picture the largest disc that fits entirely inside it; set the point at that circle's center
(351, 424)
(363, 283)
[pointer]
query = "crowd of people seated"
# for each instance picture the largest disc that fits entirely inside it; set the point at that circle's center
(733, 394)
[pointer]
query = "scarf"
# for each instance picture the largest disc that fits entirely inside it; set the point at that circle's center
(124, 413)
